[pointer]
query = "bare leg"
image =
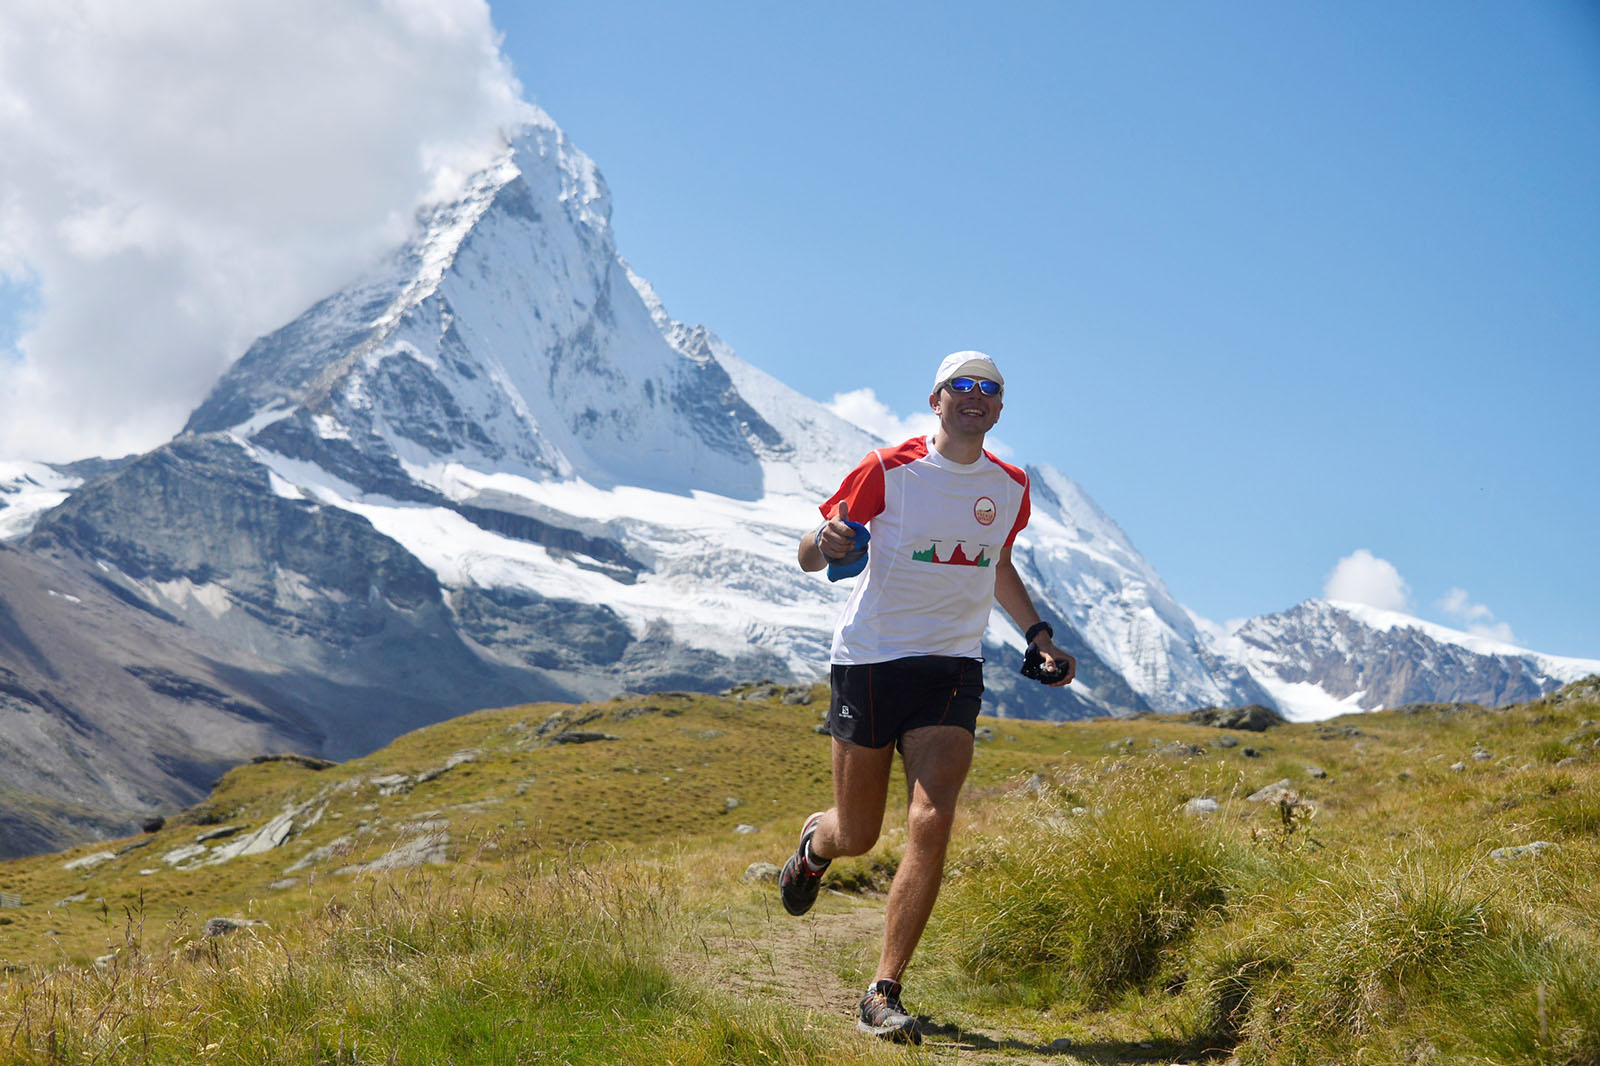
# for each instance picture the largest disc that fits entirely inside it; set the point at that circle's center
(860, 791)
(937, 759)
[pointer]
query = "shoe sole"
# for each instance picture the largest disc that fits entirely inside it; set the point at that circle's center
(904, 1034)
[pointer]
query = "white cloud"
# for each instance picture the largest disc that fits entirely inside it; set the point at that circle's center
(1458, 605)
(179, 176)
(1478, 619)
(862, 407)
(1500, 631)
(1362, 577)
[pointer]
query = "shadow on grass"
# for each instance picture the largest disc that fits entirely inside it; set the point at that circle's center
(1108, 1052)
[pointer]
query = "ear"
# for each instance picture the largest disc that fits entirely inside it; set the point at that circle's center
(933, 400)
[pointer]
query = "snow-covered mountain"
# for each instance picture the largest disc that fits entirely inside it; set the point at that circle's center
(514, 409)
(28, 490)
(497, 470)
(1321, 658)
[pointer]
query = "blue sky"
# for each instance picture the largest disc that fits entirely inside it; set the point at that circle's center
(1276, 283)
(1307, 296)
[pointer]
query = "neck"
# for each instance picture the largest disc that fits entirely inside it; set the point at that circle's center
(958, 449)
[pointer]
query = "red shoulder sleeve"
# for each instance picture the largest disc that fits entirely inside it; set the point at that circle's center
(1025, 509)
(1023, 512)
(862, 490)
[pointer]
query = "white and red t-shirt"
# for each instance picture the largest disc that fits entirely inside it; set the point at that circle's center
(937, 531)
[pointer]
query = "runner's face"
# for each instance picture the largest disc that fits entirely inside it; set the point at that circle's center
(965, 413)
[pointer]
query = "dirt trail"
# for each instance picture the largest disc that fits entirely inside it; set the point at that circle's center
(794, 961)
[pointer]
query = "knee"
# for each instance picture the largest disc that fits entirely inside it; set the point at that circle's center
(854, 838)
(928, 825)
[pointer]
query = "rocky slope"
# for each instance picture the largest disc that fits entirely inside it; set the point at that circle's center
(1321, 658)
(497, 470)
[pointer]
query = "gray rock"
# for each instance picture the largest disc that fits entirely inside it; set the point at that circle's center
(760, 871)
(1254, 718)
(1178, 749)
(731, 803)
(429, 825)
(563, 721)
(318, 855)
(797, 695)
(760, 691)
(89, 862)
(460, 758)
(392, 784)
(745, 830)
(1274, 792)
(180, 855)
(579, 736)
(219, 833)
(1316, 771)
(215, 927)
(269, 836)
(431, 849)
(983, 733)
(1458, 766)
(1522, 851)
(1202, 805)
(1227, 740)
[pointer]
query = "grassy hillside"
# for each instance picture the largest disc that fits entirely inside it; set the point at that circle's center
(567, 884)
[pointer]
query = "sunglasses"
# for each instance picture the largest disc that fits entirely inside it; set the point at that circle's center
(965, 385)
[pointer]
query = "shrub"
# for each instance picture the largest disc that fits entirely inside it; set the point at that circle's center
(1413, 962)
(1081, 907)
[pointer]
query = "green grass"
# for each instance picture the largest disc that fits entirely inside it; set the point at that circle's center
(568, 966)
(592, 904)
(1080, 907)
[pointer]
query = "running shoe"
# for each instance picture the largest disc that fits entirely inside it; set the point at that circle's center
(883, 1016)
(798, 883)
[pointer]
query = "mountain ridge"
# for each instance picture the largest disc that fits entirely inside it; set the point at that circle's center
(497, 470)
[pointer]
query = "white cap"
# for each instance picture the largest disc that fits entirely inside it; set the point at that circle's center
(973, 364)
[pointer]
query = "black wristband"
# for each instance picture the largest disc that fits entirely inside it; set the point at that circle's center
(1037, 628)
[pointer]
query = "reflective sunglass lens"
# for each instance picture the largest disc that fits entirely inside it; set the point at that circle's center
(964, 385)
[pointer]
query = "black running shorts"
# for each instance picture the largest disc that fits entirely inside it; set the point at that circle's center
(874, 704)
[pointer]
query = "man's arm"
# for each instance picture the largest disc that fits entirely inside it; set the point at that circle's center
(1012, 595)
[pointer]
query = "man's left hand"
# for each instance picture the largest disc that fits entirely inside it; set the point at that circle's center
(1055, 658)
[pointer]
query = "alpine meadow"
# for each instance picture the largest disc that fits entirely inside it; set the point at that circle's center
(591, 883)
(446, 691)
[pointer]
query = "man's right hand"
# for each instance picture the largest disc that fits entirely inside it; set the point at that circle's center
(838, 537)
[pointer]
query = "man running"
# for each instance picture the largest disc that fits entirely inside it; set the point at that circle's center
(907, 665)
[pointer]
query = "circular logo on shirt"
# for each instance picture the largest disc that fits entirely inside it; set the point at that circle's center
(984, 511)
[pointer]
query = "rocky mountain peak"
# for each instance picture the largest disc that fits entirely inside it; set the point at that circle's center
(497, 470)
